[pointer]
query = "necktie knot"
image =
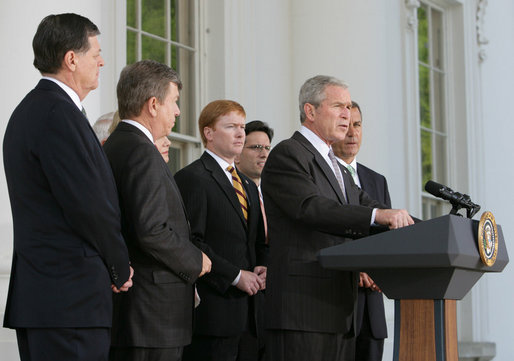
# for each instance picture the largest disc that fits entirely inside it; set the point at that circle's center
(351, 170)
(84, 112)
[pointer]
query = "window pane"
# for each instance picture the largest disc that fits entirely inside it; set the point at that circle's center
(423, 46)
(175, 159)
(153, 49)
(424, 96)
(174, 21)
(426, 157)
(132, 13)
(440, 159)
(131, 47)
(182, 17)
(183, 62)
(154, 17)
(439, 103)
(437, 32)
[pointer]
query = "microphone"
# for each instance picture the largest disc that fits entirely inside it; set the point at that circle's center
(458, 200)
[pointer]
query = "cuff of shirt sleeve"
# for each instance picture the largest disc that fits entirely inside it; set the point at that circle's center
(237, 279)
(373, 215)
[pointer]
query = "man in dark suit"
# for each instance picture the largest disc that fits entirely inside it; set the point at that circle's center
(227, 225)
(68, 249)
(251, 162)
(154, 320)
(312, 203)
(371, 328)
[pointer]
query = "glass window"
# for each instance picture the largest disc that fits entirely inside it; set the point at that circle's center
(164, 30)
(433, 122)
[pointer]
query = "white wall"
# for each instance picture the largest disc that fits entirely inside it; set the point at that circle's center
(248, 59)
(18, 24)
(498, 168)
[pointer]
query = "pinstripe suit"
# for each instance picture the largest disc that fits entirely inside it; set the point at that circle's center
(306, 212)
(157, 312)
(219, 229)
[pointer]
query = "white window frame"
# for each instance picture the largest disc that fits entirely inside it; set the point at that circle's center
(190, 145)
(465, 129)
(433, 207)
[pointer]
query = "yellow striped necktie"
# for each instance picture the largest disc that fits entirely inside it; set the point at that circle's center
(238, 187)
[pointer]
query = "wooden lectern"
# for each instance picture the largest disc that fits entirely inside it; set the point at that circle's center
(424, 268)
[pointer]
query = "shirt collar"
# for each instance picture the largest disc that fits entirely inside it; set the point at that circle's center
(316, 141)
(71, 93)
(353, 163)
(140, 127)
(222, 162)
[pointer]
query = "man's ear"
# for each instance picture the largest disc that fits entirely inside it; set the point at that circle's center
(207, 131)
(70, 60)
(309, 110)
(151, 105)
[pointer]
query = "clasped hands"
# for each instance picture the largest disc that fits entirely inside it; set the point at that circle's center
(126, 285)
(252, 282)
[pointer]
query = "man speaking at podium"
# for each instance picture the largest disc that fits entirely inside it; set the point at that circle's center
(312, 203)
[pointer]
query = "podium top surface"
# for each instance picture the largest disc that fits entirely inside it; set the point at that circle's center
(444, 242)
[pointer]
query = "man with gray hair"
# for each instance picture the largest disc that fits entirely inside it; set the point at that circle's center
(154, 322)
(313, 203)
(102, 125)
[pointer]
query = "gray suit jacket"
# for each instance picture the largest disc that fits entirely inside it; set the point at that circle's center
(306, 212)
(157, 311)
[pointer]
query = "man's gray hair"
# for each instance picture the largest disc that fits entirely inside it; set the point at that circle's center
(139, 82)
(313, 91)
(101, 126)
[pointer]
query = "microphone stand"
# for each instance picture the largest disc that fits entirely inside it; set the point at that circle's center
(461, 201)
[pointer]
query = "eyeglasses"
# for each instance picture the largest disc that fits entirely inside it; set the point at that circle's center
(259, 147)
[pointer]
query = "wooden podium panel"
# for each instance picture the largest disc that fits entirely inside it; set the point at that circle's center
(425, 330)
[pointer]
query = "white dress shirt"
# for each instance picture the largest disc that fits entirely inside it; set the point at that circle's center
(139, 126)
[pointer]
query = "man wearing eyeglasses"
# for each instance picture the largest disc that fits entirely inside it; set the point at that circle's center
(251, 162)
(256, 150)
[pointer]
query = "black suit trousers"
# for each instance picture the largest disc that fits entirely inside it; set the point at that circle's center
(286, 345)
(51, 344)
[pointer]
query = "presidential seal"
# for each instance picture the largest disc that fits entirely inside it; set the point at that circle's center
(488, 239)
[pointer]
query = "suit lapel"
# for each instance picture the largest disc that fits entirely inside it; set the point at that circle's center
(124, 127)
(227, 188)
(320, 161)
(367, 182)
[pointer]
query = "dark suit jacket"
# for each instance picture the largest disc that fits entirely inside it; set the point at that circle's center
(375, 185)
(68, 248)
(306, 212)
(157, 311)
(232, 244)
